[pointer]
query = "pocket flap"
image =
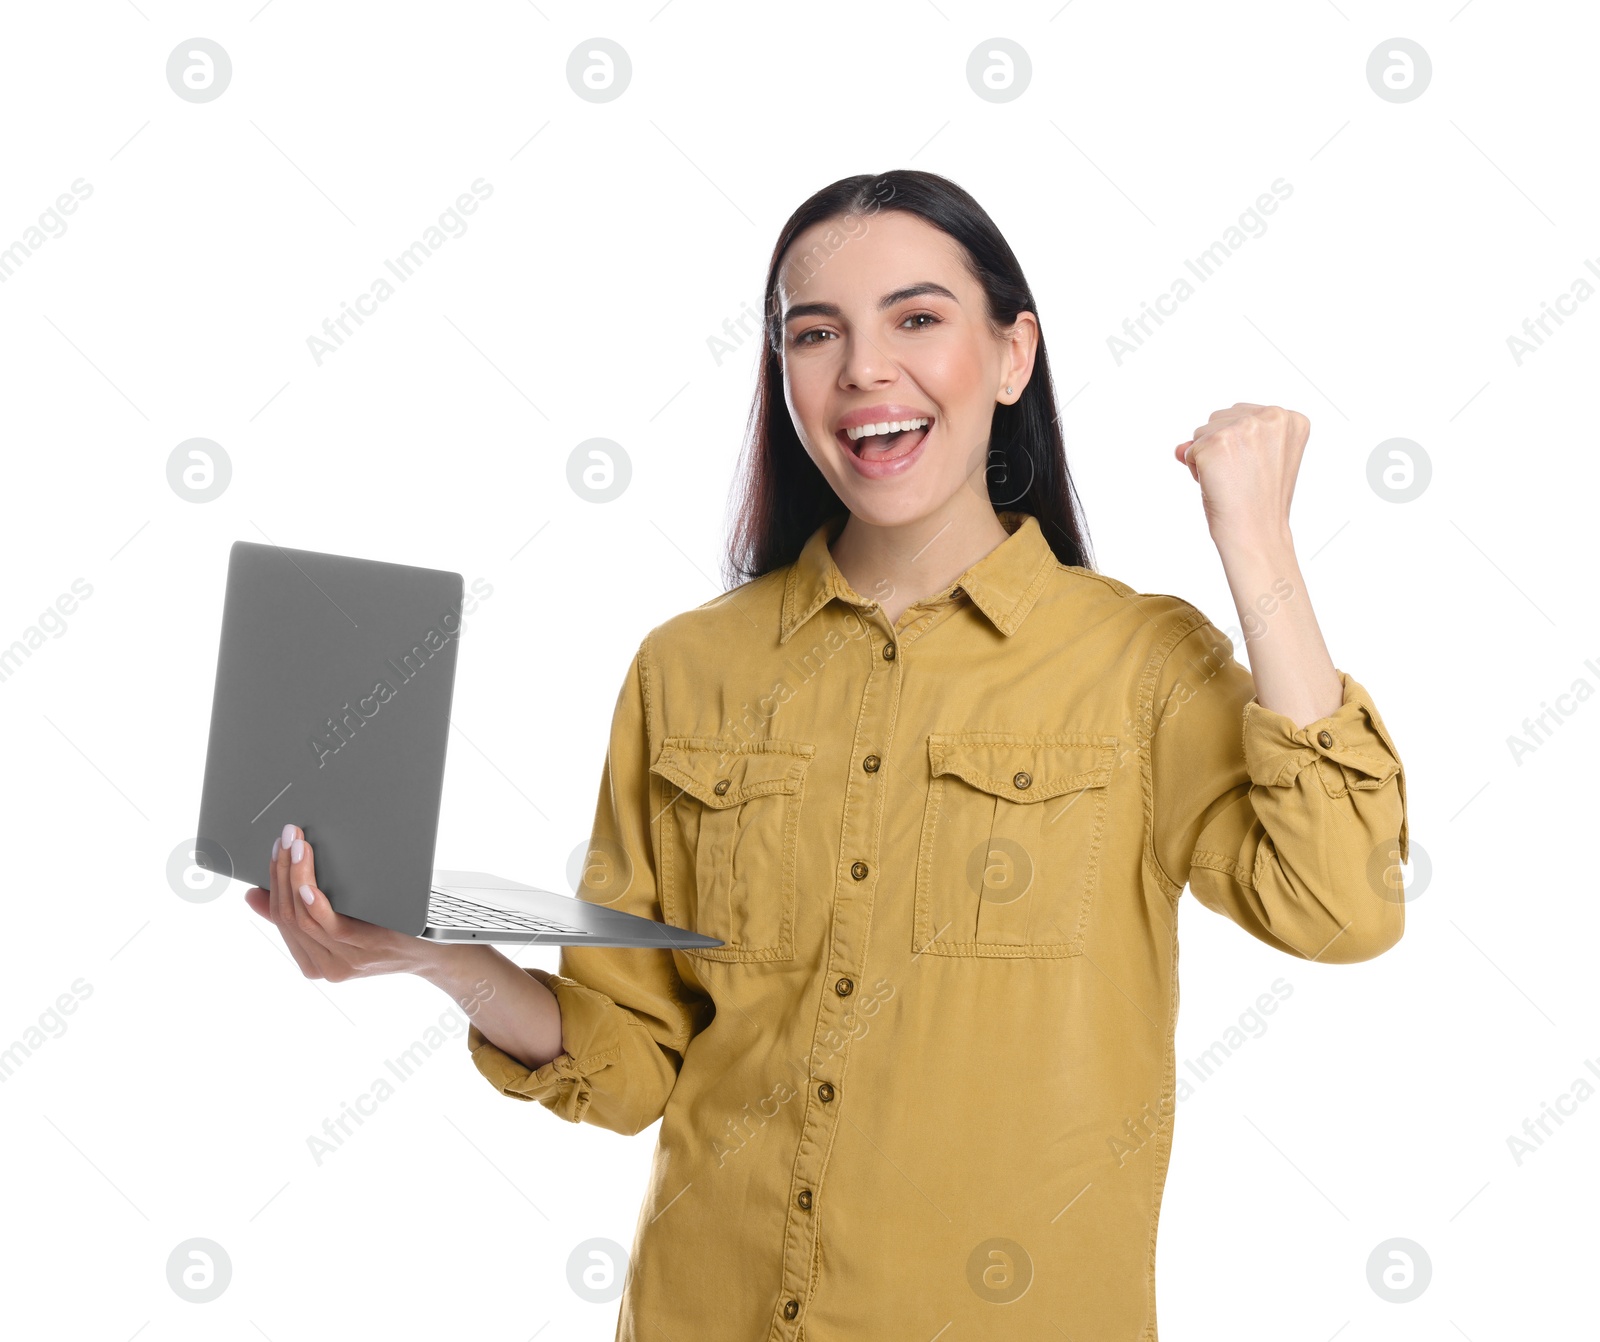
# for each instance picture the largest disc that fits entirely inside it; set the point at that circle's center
(1024, 768)
(726, 773)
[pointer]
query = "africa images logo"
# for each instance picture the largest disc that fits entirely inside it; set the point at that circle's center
(341, 729)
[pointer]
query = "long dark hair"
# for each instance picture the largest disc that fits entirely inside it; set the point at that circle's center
(780, 495)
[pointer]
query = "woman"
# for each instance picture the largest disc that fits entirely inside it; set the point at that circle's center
(936, 785)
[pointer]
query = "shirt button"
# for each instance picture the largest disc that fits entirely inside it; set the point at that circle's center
(1324, 740)
(844, 987)
(1022, 778)
(825, 1091)
(790, 1308)
(803, 1199)
(888, 652)
(721, 786)
(871, 763)
(859, 870)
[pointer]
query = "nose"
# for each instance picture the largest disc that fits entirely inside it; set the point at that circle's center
(865, 364)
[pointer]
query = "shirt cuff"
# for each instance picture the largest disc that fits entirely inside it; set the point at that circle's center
(589, 1039)
(1350, 748)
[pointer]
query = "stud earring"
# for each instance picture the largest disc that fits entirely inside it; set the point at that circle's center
(1008, 391)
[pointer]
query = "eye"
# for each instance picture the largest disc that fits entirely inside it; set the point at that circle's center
(921, 316)
(804, 338)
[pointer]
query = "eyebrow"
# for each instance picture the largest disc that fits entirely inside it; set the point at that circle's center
(887, 301)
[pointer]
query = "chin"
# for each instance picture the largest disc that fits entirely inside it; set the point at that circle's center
(895, 507)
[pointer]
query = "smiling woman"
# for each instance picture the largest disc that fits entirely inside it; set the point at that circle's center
(971, 833)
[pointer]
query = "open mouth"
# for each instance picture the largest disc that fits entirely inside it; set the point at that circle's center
(886, 442)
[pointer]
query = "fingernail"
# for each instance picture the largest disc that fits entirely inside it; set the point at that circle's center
(276, 846)
(297, 852)
(288, 835)
(305, 894)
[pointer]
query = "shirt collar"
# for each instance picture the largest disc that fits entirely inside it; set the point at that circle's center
(1004, 584)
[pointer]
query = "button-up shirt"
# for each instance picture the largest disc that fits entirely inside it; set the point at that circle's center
(928, 1081)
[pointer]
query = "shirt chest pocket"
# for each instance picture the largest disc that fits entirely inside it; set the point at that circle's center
(729, 837)
(1008, 864)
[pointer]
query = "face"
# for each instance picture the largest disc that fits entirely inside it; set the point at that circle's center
(883, 324)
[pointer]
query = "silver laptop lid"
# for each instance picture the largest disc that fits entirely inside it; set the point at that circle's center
(332, 711)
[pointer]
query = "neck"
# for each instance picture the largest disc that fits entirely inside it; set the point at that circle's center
(900, 565)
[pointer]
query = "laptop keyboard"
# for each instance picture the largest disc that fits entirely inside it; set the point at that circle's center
(447, 910)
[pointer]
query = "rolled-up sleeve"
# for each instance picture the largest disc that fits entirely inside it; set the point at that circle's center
(626, 1015)
(1296, 833)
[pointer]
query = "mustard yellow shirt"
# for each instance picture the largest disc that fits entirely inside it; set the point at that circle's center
(927, 1086)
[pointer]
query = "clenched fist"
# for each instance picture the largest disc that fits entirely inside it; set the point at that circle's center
(1245, 459)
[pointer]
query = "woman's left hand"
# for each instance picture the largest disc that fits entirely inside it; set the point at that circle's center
(1245, 459)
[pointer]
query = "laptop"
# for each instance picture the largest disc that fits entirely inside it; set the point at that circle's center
(332, 711)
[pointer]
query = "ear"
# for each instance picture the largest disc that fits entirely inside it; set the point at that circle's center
(1023, 338)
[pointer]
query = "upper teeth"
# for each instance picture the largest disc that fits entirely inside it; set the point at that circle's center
(888, 426)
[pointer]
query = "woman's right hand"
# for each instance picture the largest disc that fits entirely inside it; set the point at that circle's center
(515, 1011)
(326, 944)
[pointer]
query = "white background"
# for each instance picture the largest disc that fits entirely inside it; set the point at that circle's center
(178, 1100)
